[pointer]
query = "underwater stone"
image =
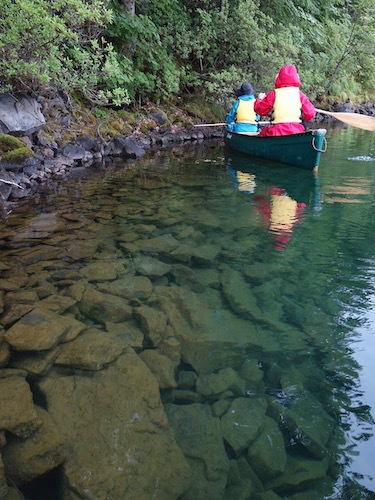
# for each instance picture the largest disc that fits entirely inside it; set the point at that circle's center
(299, 473)
(199, 435)
(38, 330)
(151, 267)
(129, 287)
(153, 323)
(17, 411)
(267, 454)
(217, 383)
(104, 307)
(306, 420)
(91, 350)
(243, 422)
(26, 459)
(161, 367)
(124, 429)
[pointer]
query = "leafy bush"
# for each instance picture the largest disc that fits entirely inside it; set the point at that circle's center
(112, 55)
(58, 42)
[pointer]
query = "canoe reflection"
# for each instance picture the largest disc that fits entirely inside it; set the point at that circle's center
(279, 194)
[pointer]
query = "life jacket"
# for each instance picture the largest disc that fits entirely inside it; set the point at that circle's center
(245, 112)
(287, 106)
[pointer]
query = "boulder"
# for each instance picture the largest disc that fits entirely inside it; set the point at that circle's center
(243, 423)
(267, 454)
(20, 115)
(200, 437)
(161, 367)
(91, 350)
(38, 330)
(123, 447)
(26, 459)
(17, 411)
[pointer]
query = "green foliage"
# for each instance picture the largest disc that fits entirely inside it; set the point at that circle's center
(113, 56)
(44, 42)
(144, 51)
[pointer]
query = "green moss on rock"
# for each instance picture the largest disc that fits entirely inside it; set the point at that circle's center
(147, 125)
(9, 143)
(127, 116)
(18, 155)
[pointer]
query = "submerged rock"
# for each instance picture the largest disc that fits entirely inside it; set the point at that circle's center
(123, 447)
(267, 454)
(299, 473)
(243, 301)
(17, 411)
(243, 423)
(224, 380)
(161, 367)
(104, 307)
(91, 350)
(306, 420)
(199, 435)
(45, 449)
(38, 330)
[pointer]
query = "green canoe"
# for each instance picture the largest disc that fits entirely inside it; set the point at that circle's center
(300, 150)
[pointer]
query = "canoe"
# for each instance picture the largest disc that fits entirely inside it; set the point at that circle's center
(299, 150)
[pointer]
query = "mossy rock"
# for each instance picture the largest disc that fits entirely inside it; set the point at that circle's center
(18, 155)
(127, 129)
(116, 125)
(165, 127)
(128, 117)
(9, 143)
(147, 125)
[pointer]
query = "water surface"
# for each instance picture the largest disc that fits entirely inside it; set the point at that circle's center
(272, 380)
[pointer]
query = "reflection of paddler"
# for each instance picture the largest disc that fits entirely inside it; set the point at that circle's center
(281, 214)
(283, 211)
(245, 182)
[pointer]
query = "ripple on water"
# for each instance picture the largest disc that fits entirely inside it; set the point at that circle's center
(361, 158)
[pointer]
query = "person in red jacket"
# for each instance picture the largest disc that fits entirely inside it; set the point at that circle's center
(287, 104)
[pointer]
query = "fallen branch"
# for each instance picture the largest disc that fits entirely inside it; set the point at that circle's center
(11, 182)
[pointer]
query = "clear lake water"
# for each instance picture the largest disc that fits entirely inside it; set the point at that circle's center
(276, 361)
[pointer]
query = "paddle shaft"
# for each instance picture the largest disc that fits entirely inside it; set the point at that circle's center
(224, 124)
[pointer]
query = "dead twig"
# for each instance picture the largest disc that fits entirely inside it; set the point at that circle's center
(12, 183)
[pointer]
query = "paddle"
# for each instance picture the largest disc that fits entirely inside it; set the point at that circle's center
(354, 119)
(224, 124)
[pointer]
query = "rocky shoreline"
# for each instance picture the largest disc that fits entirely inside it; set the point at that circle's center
(42, 140)
(30, 156)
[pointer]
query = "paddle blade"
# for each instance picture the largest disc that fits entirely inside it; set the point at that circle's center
(354, 119)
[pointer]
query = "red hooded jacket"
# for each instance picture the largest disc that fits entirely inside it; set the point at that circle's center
(287, 77)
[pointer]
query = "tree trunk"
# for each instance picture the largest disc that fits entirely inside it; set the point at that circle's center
(129, 5)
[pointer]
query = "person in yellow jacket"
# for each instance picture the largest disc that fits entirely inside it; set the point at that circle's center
(242, 117)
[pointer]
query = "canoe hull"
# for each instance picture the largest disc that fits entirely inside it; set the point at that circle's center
(299, 150)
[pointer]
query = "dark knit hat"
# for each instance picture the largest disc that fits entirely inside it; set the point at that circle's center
(246, 89)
